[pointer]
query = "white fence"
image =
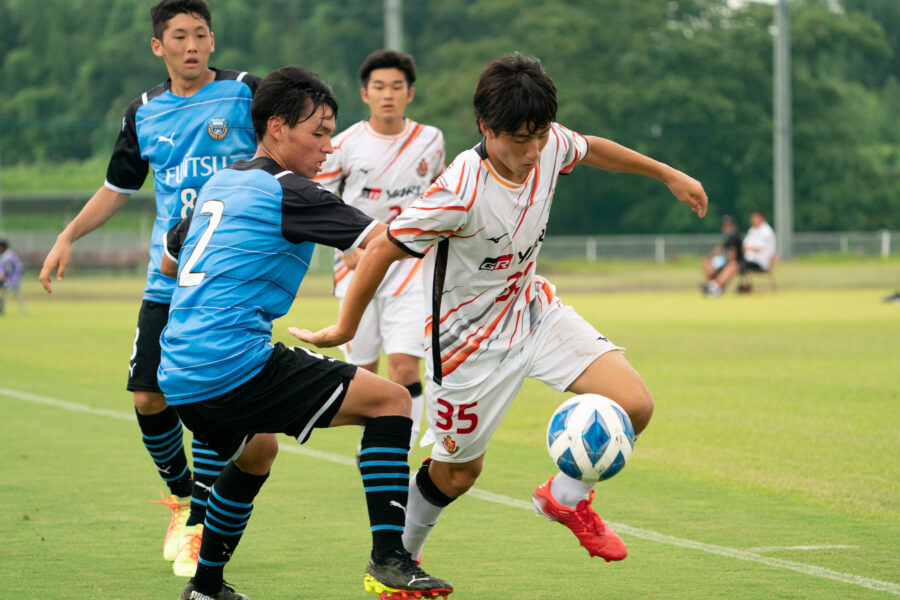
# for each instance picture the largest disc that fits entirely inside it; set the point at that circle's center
(663, 248)
(129, 249)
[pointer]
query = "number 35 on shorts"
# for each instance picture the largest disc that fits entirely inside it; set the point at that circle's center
(460, 419)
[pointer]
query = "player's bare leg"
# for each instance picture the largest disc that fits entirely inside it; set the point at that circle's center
(568, 500)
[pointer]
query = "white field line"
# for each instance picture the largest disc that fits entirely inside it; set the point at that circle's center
(811, 570)
(793, 548)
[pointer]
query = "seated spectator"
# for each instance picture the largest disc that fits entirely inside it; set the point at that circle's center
(728, 252)
(757, 254)
(10, 276)
(759, 244)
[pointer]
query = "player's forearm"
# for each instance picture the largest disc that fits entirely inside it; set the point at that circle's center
(369, 273)
(97, 211)
(608, 155)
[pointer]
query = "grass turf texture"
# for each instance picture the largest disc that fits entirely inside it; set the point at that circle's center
(775, 425)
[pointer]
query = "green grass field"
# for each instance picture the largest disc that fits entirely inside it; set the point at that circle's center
(771, 468)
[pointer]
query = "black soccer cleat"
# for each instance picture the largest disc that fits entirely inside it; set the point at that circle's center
(398, 577)
(226, 593)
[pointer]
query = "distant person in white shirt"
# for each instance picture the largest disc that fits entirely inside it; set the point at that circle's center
(758, 252)
(759, 244)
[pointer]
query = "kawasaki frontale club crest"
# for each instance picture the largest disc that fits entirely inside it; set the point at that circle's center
(217, 128)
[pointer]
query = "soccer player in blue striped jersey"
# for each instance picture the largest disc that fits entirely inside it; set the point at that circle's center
(241, 256)
(184, 129)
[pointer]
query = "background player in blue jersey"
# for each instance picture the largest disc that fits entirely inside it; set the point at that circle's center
(241, 254)
(184, 129)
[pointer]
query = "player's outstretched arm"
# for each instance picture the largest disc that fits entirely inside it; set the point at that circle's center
(380, 253)
(97, 211)
(610, 156)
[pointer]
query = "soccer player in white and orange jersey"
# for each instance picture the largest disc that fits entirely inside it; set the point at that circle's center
(491, 321)
(380, 165)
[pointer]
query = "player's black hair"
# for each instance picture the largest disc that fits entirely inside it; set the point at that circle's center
(292, 93)
(388, 59)
(163, 11)
(4, 243)
(513, 91)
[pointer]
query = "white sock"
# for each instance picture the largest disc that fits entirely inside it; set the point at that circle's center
(421, 517)
(418, 404)
(569, 491)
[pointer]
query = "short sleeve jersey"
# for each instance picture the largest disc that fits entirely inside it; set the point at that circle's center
(242, 254)
(482, 295)
(381, 176)
(760, 245)
(183, 140)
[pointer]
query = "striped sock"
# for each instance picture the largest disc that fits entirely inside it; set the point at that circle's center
(228, 509)
(207, 466)
(163, 439)
(385, 474)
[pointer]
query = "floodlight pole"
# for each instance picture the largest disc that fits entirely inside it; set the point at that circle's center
(784, 161)
(393, 24)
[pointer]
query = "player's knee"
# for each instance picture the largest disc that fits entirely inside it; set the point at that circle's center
(403, 369)
(395, 401)
(258, 455)
(149, 403)
(459, 479)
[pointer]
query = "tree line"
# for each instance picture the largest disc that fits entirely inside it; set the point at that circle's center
(686, 81)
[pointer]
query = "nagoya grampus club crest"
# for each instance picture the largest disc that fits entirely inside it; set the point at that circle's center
(450, 444)
(422, 168)
(217, 128)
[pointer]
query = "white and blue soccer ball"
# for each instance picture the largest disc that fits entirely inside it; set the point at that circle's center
(590, 437)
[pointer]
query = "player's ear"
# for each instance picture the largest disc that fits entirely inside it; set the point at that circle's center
(274, 127)
(364, 94)
(212, 42)
(484, 130)
(410, 94)
(156, 46)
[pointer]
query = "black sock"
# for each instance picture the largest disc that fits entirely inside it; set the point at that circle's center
(207, 466)
(428, 489)
(227, 512)
(162, 434)
(383, 456)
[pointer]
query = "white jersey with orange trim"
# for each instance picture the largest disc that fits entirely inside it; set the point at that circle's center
(482, 295)
(381, 175)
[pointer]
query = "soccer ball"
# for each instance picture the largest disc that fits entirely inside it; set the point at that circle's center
(590, 437)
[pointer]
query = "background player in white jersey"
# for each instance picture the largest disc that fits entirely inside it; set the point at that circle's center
(184, 130)
(380, 165)
(491, 320)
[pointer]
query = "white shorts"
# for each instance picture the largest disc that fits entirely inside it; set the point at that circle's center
(395, 323)
(462, 421)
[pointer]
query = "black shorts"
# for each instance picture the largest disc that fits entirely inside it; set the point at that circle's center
(296, 390)
(144, 360)
(750, 266)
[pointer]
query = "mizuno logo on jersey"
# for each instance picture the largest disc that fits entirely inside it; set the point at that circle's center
(496, 264)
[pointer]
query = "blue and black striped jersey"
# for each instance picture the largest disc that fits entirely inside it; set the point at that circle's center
(242, 253)
(184, 140)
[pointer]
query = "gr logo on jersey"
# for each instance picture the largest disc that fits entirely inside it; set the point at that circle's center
(217, 127)
(496, 264)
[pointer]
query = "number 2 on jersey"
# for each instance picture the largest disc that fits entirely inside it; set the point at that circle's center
(214, 209)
